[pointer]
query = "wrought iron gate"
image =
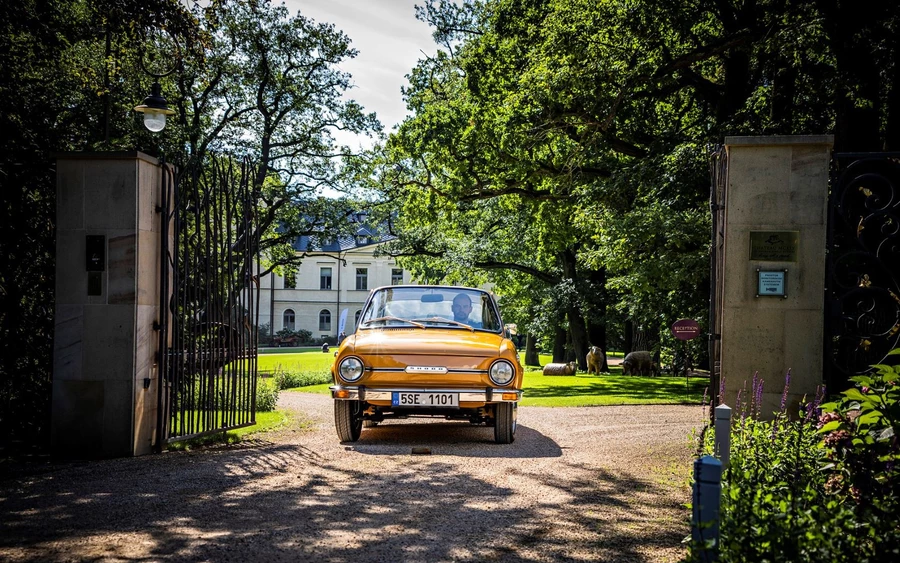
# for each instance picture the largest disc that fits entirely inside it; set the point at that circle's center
(862, 296)
(209, 301)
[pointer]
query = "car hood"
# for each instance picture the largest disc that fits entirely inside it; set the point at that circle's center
(431, 341)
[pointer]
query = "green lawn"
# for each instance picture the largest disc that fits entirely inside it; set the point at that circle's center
(265, 421)
(305, 360)
(543, 390)
(613, 389)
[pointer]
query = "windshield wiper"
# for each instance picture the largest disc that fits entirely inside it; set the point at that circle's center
(443, 320)
(395, 319)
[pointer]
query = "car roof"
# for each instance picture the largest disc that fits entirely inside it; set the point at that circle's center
(449, 287)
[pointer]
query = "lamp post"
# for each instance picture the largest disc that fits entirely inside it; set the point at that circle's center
(154, 109)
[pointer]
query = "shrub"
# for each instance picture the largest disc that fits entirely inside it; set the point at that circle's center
(265, 335)
(292, 379)
(294, 337)
(861, 440)
(266, 394)
(811, 488)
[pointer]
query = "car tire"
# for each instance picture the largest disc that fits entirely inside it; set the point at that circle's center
(348, 420)
(505, 422)
(369, 424)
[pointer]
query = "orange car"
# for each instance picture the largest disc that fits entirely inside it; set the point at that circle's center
(427, 351)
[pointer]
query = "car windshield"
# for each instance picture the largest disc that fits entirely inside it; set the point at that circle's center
(447, 307)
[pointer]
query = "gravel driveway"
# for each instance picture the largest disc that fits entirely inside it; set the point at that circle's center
(578, 484)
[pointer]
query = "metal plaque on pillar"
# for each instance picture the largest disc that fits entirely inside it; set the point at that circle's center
(774, 246)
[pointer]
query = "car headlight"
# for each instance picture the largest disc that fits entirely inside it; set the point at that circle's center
(502, 372)
(350, 369)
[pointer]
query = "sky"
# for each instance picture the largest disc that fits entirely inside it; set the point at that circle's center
(390, 41)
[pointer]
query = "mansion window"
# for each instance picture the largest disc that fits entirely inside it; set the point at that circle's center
(396, 276)
(362, 278)
(325, 278)
(288, 319)
(325, 320)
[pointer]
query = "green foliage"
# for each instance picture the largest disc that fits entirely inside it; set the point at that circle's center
(293, 379)
(861, 440)
(817, 489)
(569, 140)
(267, 391)
(295, 337)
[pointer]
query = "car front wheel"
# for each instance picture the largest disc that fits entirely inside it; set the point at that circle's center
(505, 422)
(348, 420)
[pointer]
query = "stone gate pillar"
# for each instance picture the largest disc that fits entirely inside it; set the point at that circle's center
(776, 210)
(107, 300)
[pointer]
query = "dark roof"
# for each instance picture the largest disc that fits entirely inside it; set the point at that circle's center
(365, 235)
(362, 238)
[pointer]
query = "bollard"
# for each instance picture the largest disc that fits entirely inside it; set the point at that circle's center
(705, 516)
(722, 446)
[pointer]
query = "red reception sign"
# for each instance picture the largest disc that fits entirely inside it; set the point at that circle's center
(685, 329)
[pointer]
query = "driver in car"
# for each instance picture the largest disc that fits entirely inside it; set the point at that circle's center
(462, 307)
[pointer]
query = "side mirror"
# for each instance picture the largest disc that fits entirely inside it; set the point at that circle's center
(511, 329)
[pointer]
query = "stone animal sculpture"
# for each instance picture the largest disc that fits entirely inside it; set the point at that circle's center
(595, 359)
(639, 363)
(561, 369)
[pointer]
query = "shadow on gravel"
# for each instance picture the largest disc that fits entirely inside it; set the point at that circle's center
(286, 503)
(452, 438)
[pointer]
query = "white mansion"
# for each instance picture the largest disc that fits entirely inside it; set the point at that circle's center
(333, 277)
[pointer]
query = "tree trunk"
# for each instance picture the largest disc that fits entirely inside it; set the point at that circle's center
(531, 352)
(579, 337)
(576, 318)
(596, 320)
(559, 343)
(629, 336)
(570, 349)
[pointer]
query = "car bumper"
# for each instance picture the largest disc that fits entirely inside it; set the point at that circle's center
(486, 395)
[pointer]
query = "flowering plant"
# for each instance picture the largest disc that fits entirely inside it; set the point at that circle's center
(860, 436)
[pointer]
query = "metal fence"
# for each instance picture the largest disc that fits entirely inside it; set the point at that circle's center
(208, 329)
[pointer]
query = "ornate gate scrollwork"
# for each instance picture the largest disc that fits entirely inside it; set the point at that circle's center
(862, 292)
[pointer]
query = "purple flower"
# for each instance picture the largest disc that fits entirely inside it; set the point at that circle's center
(812, 410)
(721, 388)
(787, 386)
(757, 394)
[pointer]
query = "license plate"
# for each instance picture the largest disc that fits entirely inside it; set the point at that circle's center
(449, 400)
